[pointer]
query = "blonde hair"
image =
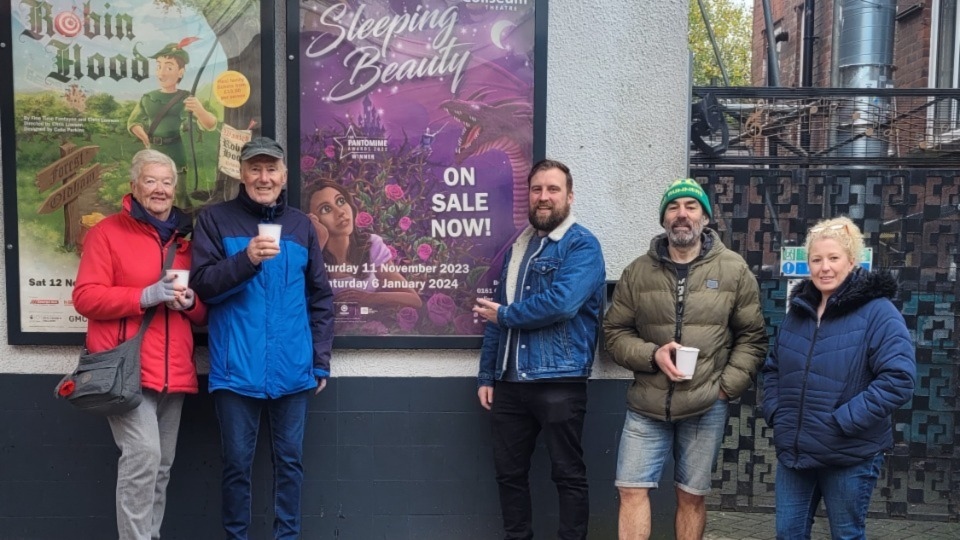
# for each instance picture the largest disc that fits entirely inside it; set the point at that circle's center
(842, 230)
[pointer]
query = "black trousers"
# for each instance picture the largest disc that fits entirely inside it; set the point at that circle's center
(520, 412)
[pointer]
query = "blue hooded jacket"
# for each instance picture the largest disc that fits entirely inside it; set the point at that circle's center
(271, 325)
(829, 390)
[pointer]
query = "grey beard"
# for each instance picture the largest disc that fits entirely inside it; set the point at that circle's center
(684, 240)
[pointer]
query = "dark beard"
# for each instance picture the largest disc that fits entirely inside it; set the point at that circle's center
(684, 240)
(550, 222)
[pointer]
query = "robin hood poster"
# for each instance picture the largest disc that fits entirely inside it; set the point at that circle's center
(90, 83)
(418, 123)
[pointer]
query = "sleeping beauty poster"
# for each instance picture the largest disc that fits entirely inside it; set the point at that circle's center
(416, 126)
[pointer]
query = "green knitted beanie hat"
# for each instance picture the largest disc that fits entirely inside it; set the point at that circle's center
(685, 187)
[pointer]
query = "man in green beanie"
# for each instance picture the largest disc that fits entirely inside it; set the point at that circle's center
(161, 116)
(688, 291)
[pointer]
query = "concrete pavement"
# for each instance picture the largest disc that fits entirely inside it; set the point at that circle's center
(723, 525)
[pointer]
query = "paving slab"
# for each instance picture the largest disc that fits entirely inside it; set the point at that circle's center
(724, 525)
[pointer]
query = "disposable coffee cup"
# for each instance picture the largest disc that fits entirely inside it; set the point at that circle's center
(270, 229)
(182, 277)
(687, 361)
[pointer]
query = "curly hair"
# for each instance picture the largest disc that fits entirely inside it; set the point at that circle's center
(148, 156)
(842, 230)
(359, 252)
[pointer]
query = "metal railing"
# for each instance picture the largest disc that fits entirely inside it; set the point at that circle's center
(850, 127)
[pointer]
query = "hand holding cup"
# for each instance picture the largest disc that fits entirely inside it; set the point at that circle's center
(183, 296)
(266, 245)
(687, 361)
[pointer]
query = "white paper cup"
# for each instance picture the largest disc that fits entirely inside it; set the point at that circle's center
(687, 361)
(270, 229)
(182, 276)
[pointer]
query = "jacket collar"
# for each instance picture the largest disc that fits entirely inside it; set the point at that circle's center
(710, 246)
(263, 212)
(859, 288)
(520, 247)
(184, 224)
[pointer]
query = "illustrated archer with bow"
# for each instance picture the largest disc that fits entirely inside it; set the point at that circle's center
(162, 115)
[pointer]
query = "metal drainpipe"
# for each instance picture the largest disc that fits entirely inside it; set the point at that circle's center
(864, 60)
(806, 77)
(808, 39)
(713, 42)
(773, 64)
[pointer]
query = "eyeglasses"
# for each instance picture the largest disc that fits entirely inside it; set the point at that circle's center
(152, 182)
(836, 227)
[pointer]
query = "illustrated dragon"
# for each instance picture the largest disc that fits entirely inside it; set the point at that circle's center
(497, 125)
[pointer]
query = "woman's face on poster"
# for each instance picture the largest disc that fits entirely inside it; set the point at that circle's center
(333, 210)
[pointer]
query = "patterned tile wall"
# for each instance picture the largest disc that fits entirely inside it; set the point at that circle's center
(911, 219)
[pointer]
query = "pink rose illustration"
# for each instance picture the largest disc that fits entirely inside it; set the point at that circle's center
(424, 251)
(468, 324)
(405, 223)
(393, 252)
(374, 328)
(440, 308)
(364, 219)
(394, 192)
(330, 151)
(307, 162)
(407, 318)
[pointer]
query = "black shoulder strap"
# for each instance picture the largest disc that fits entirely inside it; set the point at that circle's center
(180, 96)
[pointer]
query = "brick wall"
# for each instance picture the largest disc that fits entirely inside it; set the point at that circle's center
(911, 51)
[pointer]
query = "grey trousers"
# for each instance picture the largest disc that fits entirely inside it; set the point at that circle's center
(147, 439)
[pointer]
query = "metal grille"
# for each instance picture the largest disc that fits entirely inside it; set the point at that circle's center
(851, 127)
(911, 219)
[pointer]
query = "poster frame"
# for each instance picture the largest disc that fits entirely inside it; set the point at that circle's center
(294, 180)
(11, 246)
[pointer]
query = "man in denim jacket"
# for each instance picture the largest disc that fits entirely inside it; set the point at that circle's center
(538, 347)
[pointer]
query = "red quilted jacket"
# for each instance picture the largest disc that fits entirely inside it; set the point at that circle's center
(122, 255)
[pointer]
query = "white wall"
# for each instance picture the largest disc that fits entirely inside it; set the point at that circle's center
(616, 114)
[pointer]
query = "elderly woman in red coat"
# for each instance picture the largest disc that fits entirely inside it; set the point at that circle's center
(118, 280)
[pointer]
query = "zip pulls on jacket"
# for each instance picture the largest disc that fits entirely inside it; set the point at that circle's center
(680, 294)
(174, 245)
(806, 370)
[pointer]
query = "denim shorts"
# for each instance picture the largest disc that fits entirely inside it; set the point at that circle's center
(694, 443)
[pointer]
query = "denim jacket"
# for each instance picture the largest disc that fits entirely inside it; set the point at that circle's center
(557, 316)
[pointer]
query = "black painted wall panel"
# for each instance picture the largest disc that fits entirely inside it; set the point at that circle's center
(384, 458)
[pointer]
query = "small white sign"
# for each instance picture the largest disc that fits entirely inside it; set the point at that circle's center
(793, 261)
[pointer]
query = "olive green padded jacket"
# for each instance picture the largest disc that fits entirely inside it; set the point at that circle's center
(722, 318)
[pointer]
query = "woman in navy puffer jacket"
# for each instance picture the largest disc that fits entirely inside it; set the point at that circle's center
(842, 363)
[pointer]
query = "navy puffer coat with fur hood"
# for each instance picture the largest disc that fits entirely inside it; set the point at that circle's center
(829, 389)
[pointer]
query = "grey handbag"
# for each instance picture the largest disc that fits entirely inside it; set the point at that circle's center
(107, 383)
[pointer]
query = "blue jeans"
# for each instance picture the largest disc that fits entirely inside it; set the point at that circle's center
(239, 418)
(694, 442)
(845, 492)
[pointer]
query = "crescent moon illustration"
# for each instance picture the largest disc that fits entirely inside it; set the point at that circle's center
(496, 32)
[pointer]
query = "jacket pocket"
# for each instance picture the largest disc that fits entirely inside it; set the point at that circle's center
(544, 271)
(553, 343)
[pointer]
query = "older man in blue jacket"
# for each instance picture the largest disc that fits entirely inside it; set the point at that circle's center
(271, 331)
(538, 348)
